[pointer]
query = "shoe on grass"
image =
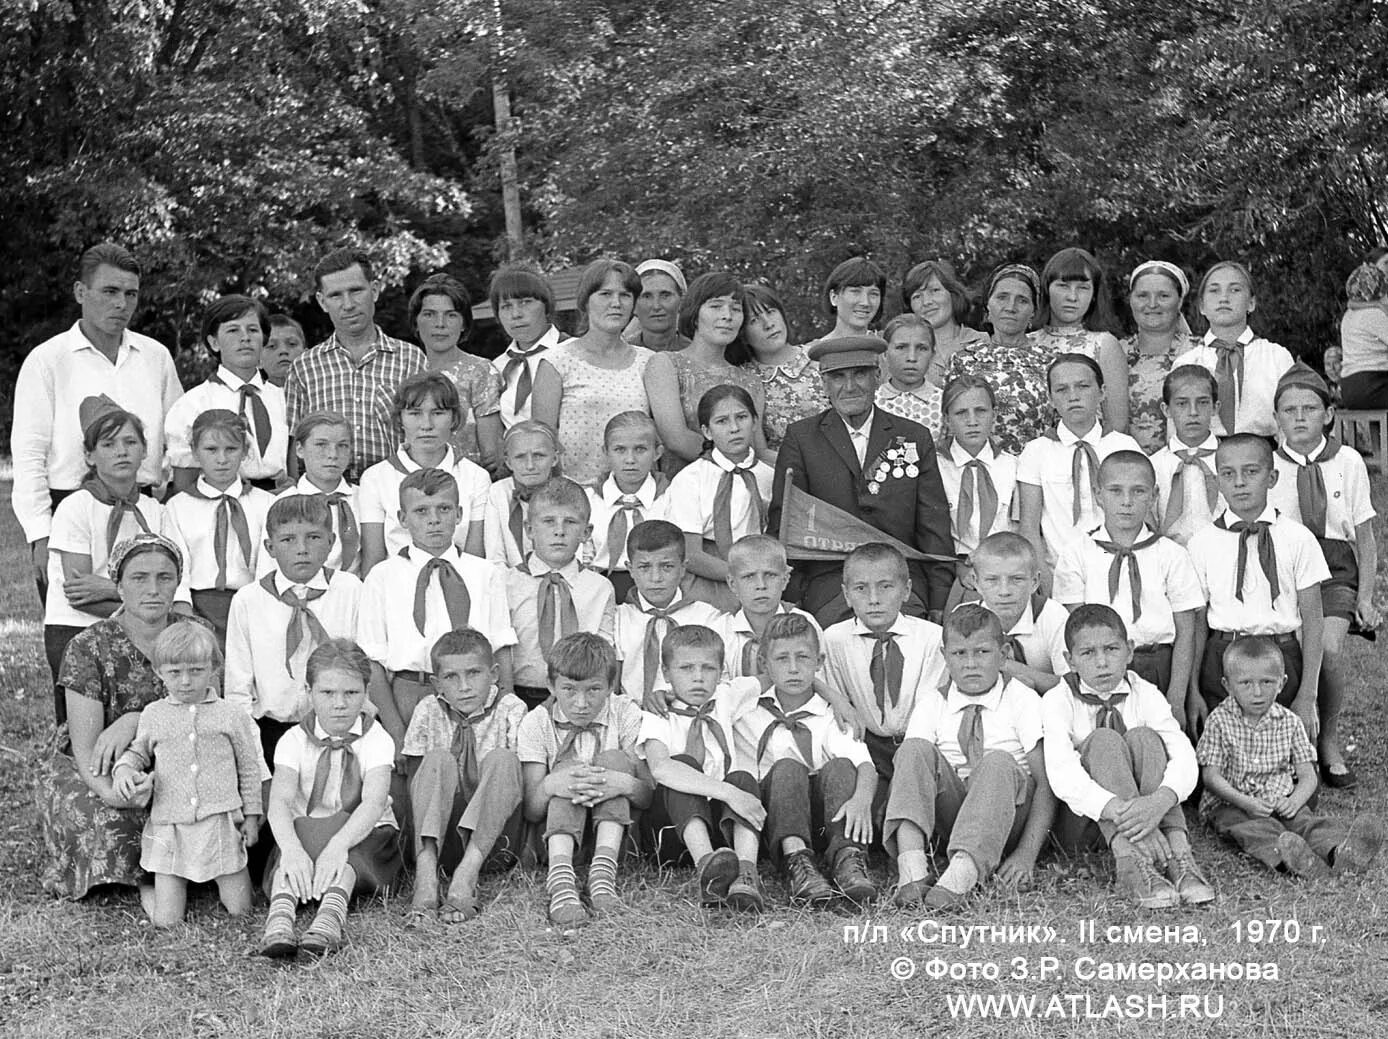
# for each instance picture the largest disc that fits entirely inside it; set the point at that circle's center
(1299, 858)
(744, 894)
(279, 943)
(851, 877)
(1356, 852)
(1190, 883)
(1137, 878)
(716, 873)
(806, 883)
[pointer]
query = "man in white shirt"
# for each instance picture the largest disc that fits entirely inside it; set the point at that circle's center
(97, 355)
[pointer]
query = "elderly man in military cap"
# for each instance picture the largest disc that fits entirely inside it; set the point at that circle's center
(873, 465)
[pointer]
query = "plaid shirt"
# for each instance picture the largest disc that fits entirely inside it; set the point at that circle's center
(327, 379)
(1257, 760)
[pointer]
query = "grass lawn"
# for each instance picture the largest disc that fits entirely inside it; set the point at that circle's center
(666, 968)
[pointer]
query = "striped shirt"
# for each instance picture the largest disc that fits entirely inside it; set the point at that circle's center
(326, 378)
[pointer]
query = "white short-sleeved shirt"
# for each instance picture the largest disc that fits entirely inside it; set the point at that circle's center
(1264, 363)
(499, 543)
(334, 560)
(604, 501)
(1041, 634)
(1300, 565)
(616, 727)
(46, 436)
(827, 740)
(731, 700)
(689, 501)
(848, 648)
(195, 520)
(373, 750)
(510, 414)
(257, 677)
(79, 528)
(630, 638)
(1195, 509)
(1048, 464)
(1068, 722)
(1169, 584)
(594, 606)
(1347, 496)
(1002, 468)
(378, 499)
(178, 424)
(385, 625)
(737, 633)
(1011, 722)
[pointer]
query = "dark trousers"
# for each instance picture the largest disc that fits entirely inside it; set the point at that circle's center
(622, 583)
(1258, 835)
(662, 825)
(1212, 667)
(55, 640)
(214, 606)
(532, 695)
(802, 805)
(1154, 664)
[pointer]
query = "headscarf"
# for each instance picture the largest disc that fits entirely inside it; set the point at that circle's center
(140, 543)
(1173, 272)
(1023, 273)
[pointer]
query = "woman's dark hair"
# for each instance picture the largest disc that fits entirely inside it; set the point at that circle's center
(229, 308)
(702, 289)
(432, 386)
(442, 285)
(717, 395)
(1076, 264)
(759, 299)
(857, 270)
(511, 282)
(593, 278)
(919, 275)
(1083, 360)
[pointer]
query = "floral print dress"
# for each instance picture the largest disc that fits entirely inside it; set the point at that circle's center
(85, 841)
(479, 392)
(1146, 373)
(1018, 377)
(792, 390)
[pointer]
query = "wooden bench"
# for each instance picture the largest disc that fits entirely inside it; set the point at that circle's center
(1348, 424)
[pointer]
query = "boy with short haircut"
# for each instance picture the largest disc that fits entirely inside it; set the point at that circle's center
(422, 591)
(700, 798)
(971, 771)
(1148, 579)
(1187, 488)
(883, 663)
(1259, 771)
(550, 594)
(323, 447)
(1007, 576)
(1261, 573)
(578, 761)
(628, 496)
(275, 623)
(465, 776)
(818, 783)
(1121, 766)
(758, 573)
(656, 606)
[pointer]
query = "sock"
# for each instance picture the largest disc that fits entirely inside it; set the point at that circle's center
(562, 885)
(602, 875)
(912, 865)
(331, 916)
(283, 908)
(961, 876)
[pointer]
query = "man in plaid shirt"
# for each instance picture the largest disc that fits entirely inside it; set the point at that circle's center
(1259, 771)
(356, 371)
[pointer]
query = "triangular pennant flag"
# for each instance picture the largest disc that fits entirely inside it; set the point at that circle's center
(813, 529)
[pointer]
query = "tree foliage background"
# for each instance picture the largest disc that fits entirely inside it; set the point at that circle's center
(230, 144)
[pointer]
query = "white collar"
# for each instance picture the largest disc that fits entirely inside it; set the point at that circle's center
(924, 392)
(537, 567)
(1175, 446)
(354, 730)
(646, 493)
(318, 581)
(1268, 515)
(961, 457)
(726, 464)
(1093, 436)
(550, 338)
(306, 486)
(420, 558)
(742, 626)
(1301, 459)
(1245, 337)
(1124, 687)
(899, 626)
(955, 701)
(864, 429)
(446, 463)
(235, 490)
(815, 705)
(232, 381)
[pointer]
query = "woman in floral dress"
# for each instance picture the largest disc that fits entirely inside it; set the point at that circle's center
(1156, 292)
(789, 379)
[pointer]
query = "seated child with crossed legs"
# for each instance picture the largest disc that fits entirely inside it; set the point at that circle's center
(1116, 757)
(818, 783)
(330, 806)
(578, 762)
(465, 776)
(700, 799)
(971, 771)
(1259, 771)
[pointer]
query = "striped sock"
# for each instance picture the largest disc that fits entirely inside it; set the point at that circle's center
(562, 885)
(326, 929)
(283, 908)
(602, 880)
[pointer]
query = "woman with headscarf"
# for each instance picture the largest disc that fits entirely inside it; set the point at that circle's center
(1156, 292)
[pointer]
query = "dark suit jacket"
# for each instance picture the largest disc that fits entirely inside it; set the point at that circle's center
(820, 455)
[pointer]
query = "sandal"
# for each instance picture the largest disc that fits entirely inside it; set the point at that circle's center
(418, 916)
(459, 909)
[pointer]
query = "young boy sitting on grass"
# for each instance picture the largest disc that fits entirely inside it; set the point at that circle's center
(1116, 757)
(578, 762)
(699, 799)
(758, 573)
(971, 772)
(1259, 771)
(818, 783)
(465, 776)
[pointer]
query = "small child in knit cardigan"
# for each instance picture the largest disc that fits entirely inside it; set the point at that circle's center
(208, 768)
